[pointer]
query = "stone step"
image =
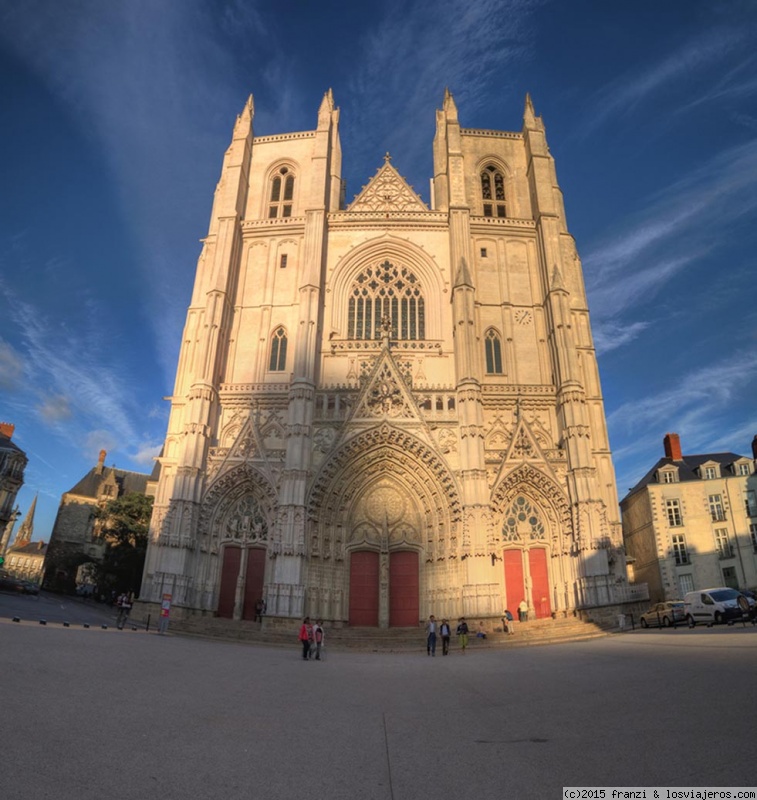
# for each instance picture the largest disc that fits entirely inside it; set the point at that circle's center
(384, 639)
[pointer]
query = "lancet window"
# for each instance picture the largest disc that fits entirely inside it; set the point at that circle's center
(391, 292)
(493, 192)
(281, 195)
(493, 348)
(278, 351)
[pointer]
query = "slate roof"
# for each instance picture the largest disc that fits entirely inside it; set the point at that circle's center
(9, 444)
(686, 468)
(128, 482)
(29, 549)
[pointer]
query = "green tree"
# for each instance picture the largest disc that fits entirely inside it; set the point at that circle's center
(123, 524)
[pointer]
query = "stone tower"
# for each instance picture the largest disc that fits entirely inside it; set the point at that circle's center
(386, 410)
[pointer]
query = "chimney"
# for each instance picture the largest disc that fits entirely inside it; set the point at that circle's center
(754, 447)
(672, 446)
(6, 429)
(100, 462)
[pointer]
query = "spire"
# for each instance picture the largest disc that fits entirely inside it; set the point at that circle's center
(243, 125)
(557, 281)
(26, 531)
(529, 116)
(463, 277)
(449, 107)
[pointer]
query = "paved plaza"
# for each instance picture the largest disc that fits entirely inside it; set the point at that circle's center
(105, 714)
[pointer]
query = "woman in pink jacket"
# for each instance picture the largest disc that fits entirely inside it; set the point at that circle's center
(306, 637)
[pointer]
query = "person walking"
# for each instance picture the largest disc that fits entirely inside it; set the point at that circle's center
(318, 638)
(306, 637)
(507, 623)
(462, 633)
(444, 631)
(431, 636)
(124, 608)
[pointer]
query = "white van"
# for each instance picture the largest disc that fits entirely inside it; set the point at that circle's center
(712, 606)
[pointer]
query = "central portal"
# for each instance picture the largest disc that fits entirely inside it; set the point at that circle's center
(373, 586)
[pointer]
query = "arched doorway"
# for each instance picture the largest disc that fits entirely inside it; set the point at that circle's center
(525, 561)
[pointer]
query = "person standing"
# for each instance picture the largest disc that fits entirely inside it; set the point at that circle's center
(444, 631)
(523, 610)
(431, 636)
(318, 638)
(306, 637)
(462, 633)
(507, 622)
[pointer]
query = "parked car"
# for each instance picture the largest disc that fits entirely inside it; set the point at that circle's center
(9, 583)
(717, 605)
(664, 614)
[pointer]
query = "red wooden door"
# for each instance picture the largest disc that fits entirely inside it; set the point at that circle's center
(514, 587)
(364, 588)
(537, 562)
(232, 557)
(253, 585)
(404, 602)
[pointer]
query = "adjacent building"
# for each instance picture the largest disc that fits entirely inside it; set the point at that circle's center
(691, 522)
(387, 409)
(75, 540)
(13, 462)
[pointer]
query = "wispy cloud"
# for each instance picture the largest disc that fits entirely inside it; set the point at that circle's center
(678, 227)
(410, 57)
(698, 406)
(698, 56)
(11, 368)
(154, 84)
(55, 409)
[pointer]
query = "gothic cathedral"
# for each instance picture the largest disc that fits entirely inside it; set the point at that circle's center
(386, 410)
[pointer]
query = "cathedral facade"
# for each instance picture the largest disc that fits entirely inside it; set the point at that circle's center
(388, 409)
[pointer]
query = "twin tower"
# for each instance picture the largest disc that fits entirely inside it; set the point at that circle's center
(386, 410)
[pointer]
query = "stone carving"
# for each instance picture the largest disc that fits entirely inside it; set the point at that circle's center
(245, 521)
(387, 191)
(323, 439)
(447, 441)
(523, 522)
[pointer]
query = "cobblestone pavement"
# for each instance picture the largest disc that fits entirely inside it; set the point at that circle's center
(107, 714)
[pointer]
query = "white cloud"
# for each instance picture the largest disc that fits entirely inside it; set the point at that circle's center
(11, 368)
(147, 454)
(98, 440)
(55, 409)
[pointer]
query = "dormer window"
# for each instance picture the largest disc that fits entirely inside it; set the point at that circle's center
(744, 468)
(282, 194)
(709, 473)
(493, 192)
(667, 476)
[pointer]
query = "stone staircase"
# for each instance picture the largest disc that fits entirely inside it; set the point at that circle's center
(387, 640)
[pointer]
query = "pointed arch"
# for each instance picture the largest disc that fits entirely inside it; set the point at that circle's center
(493, 352)
(278, 350)
(391, 461)
(281, 182)
(539, 491)
(401, 254)
(241, 492)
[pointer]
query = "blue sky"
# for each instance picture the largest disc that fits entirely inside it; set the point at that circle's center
(116, 114)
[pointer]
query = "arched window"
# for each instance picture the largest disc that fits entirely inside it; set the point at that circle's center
(493, 353)
(278, 351)
(386, 291)
(493, 192)
(282, 193)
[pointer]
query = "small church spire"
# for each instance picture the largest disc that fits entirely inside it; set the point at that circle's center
(26, 531)
(557, 279)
